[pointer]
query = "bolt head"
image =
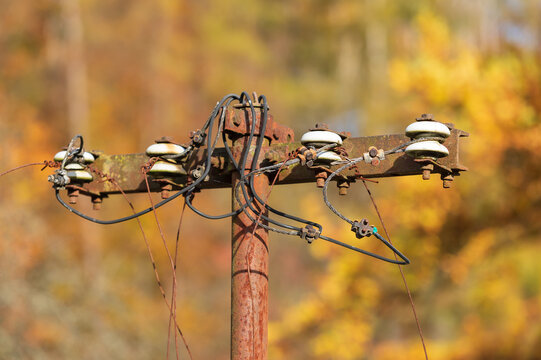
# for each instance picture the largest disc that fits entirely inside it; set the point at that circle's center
(322, 126)
(425, 117)
(373, 152)
(375, 162)
(164, 140)
(426, 174)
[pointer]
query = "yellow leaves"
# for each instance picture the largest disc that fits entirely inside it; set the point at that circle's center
(434, 35)
(346, 339)
(458, 266)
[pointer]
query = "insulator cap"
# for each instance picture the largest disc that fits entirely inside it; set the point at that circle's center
(74, 166)
(427, 150)
(320, 138)
(79, 176)
(328, 157)
(87, 157)
(164, 167)
(161, 149)
(420, 129)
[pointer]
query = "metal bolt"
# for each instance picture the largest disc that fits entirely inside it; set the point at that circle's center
(447, 181)
(375, 162)
(164, 140)
(236, 120)
(425, 117)
(165, 190)
(372, 151)
(343, 186)
(427, 169)
(321, 176)
(73, 194)
(198, 172)
(96, 202)
(322, 126)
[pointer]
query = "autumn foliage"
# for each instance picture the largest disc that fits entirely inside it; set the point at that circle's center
(125, 73)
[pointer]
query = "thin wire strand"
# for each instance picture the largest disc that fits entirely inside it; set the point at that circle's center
(419, 329)
(152, 260)
(23, 166)
(174, 293)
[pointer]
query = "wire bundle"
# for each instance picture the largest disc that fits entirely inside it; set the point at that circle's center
(251, 201)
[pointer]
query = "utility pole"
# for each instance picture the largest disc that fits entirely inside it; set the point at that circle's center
(249, 259)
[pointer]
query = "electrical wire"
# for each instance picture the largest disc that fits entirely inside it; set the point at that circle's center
(396, 252)
(246, 180)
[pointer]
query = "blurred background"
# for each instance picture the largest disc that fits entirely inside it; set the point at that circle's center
(123, 73)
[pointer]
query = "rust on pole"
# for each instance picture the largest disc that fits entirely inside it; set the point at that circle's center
(249, 282)
(249, 263)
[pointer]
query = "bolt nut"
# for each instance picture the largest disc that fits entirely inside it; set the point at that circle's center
(427, 169)
(321, 176)
(322, 126)
(73, 194)
(164, 140)
(375, 162)
(165, 190)
(447, 180)
(425, 117)
(197, 172)
(372, 151)
(343, 186)
(96, 202)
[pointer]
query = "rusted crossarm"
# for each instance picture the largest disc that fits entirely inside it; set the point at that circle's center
(126, 169)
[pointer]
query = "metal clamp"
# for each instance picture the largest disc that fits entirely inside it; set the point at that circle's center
(362, 228)
(309, 233)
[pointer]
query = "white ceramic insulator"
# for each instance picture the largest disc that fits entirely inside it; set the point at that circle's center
(320, 137)
(164, 167)
(74, 166)
(328, 157)
(161, 149)
(87, 157)
(427, 149)
(59, 156)
(79, 175)
(428, 128)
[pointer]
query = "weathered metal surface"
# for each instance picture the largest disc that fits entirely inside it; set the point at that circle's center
(249, 283)
(238, 122)
(126, 169)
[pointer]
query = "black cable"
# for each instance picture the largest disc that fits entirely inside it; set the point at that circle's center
(246, 181)
(161, 203)
(263, 126)
(244, 95)
(379, 257)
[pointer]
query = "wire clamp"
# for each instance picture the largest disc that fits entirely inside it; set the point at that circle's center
(374, 156)
(59, 179)
(198, 138)
(362, 228)
(306, 155)
(309, 233)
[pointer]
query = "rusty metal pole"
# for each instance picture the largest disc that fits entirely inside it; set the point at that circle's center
(249, 284)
